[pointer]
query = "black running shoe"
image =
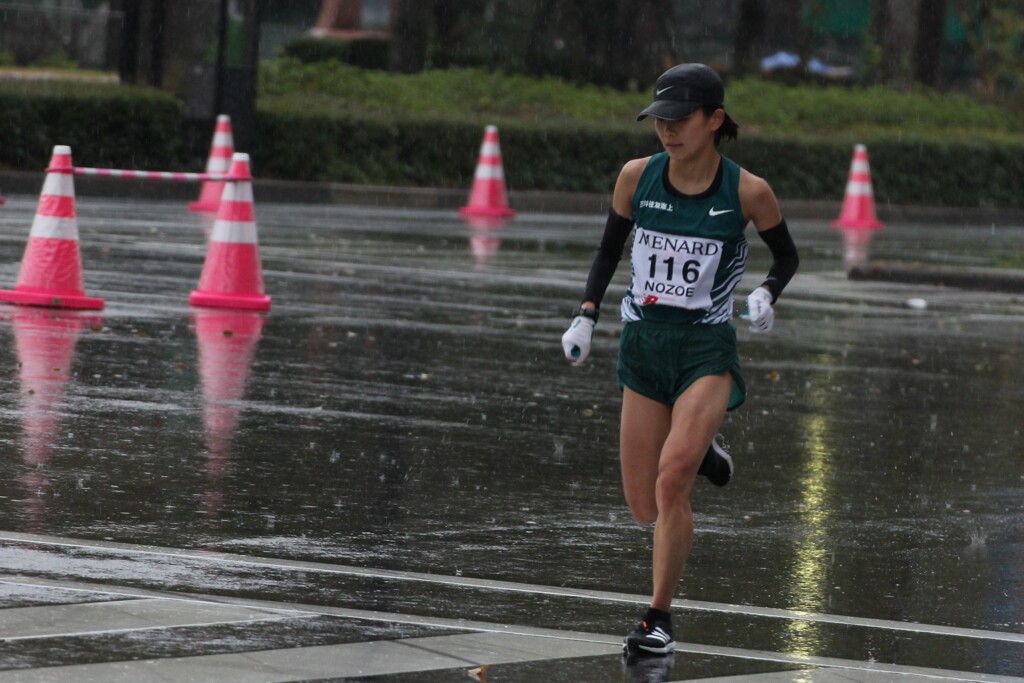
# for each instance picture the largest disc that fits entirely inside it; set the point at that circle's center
(717, 464)
(653, 637)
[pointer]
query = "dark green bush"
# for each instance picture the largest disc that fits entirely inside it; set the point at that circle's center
(366, 53)
(56, 60)
(312, 144)
(321, 137)
(926, 147)
(947, 172)
(105, 125)
(796, 167)
(340, 148)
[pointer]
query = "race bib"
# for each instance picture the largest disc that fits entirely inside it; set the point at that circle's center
(674, 270)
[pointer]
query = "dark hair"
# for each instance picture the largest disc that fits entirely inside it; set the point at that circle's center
(729, 129)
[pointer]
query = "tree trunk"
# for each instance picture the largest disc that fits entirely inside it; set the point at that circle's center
(456, 22)
(979, 38)
(931, 31)
(749, 29)
(410, 35)
(894, 33)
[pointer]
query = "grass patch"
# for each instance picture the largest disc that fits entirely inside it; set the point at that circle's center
(478, 96)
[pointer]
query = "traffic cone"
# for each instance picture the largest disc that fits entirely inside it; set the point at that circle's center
(858, 211)
(232, 276)
(227, 344)
(51, 269)
(219, 161)
(488, 196)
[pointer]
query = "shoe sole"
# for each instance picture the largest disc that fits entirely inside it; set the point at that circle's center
(664, 650)
(720, 452)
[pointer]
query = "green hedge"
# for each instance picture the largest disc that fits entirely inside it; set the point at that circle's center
(314, 140)
(347, 149)
(105, 125)
(366, 53)
(340, 148)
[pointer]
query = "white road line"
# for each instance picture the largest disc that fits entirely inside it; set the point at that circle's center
(877, 670)
(510, 587)
(101, 589)
(498, 644)
(126, 616)
(136, 629)
(615, 643)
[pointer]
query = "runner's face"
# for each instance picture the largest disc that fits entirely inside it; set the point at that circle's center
(687, 137)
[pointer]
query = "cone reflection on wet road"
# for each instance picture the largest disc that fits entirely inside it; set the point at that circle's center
(227, 343)
(44, 341)
(485, 237)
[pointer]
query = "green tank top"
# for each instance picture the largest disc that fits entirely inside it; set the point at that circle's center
(689, 251)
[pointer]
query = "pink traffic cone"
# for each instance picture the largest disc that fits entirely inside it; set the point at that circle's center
(51, 269)
(488, 196)
(858, 211)
(232, 275)
(221, 149)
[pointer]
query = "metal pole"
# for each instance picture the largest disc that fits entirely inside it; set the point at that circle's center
(222, 39)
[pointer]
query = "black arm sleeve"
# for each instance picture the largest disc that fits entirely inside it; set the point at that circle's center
(786, 259)
(616, 230)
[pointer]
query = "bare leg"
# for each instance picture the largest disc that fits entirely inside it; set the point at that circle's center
(696, 416)
(642, 433)
(661, 449)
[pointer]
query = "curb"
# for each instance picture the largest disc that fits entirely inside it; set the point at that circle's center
(989, 279)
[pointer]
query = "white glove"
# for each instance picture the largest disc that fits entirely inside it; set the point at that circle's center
(759, 310)
(576, 340)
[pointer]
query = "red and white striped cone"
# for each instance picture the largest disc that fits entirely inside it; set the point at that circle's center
(221, 150)
(51, 269)
(857, 220)
(232, 275)
(858, 211)
(488, 196)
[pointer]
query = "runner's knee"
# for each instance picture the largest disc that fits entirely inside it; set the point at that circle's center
(674, 483)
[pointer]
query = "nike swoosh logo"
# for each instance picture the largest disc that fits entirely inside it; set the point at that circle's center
(663, 90)
(712, 212)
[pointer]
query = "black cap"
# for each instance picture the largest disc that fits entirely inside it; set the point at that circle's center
(683, 89)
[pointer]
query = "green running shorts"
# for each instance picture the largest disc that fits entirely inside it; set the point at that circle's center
(660, 360)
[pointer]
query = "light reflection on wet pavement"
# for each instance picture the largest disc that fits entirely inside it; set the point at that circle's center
(405, 407)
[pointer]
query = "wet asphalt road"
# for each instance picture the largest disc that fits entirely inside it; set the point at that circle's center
(405, 406)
